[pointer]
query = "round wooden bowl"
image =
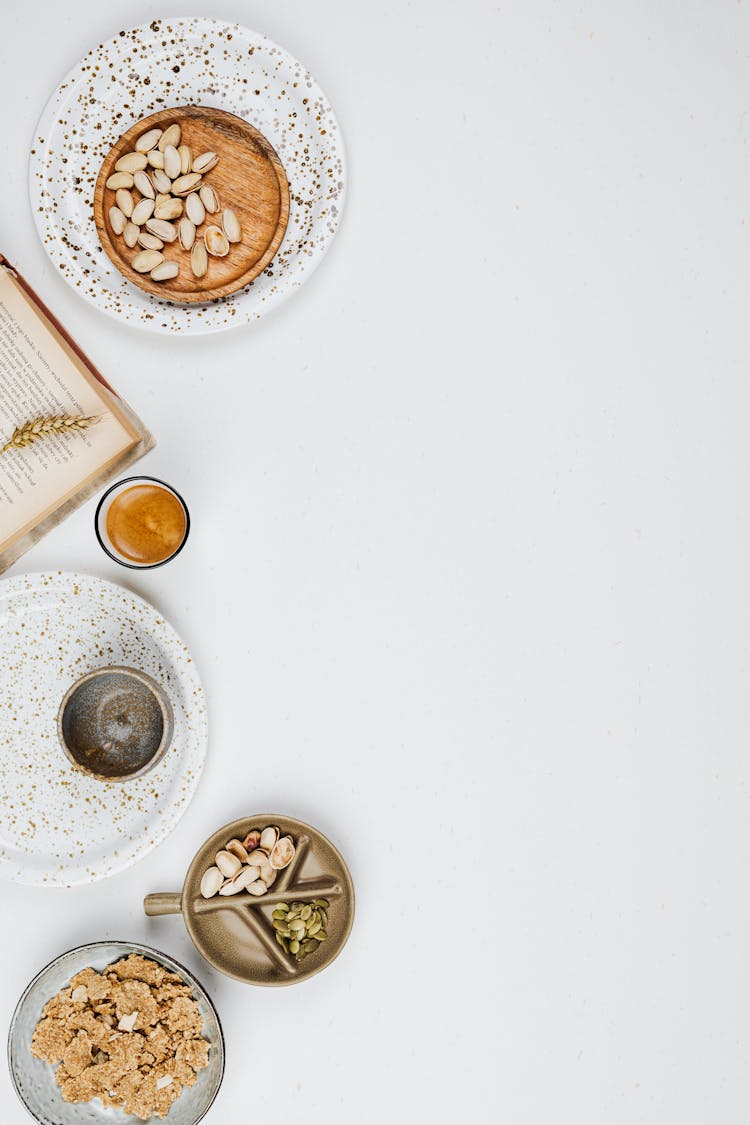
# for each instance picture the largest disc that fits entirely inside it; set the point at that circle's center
(249, 178)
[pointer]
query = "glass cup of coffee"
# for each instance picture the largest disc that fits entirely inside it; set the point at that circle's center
(141, 522)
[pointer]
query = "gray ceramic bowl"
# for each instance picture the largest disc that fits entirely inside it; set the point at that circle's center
(115, 724)
(34, 1080)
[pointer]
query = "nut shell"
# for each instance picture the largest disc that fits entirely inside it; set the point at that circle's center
(257, 858)
(130, 235)
(146, 261)
(142, 182)
(199, 260)
(170, 136)
(125, 201)
(268, 837)
(238, 849)
(164, 230)
(148, 140)
(211, 882)
(131, 162)
(282, 854)
(217, 245)
(228, 864)
(258, 888)
(165, 271)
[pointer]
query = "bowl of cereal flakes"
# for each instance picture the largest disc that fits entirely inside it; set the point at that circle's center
(115, 1026)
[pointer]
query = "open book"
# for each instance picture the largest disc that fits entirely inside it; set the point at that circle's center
(43, 373)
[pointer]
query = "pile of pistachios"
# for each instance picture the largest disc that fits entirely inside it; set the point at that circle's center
(153, 186)
(249, 865)
(301, 927)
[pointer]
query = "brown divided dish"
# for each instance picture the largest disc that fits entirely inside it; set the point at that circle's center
(249, 178)
(235, 934)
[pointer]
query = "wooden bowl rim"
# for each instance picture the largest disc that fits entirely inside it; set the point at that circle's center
(200, 296)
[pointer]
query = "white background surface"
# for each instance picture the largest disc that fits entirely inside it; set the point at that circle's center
(468, 577)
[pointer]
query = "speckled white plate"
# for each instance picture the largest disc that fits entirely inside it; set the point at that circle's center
(172, 63)
(59, 827)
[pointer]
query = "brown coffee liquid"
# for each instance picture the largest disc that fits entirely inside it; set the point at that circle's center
(146, 524)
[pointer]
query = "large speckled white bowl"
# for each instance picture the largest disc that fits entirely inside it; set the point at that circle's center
(34, 1080)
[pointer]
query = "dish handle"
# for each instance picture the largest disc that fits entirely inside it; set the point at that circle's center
(166, 902)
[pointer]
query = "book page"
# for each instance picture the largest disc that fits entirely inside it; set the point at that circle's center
(41, 375)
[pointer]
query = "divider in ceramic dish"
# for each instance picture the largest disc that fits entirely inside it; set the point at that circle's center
(235, 932)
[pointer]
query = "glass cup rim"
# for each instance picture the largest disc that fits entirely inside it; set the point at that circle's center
(116, 558)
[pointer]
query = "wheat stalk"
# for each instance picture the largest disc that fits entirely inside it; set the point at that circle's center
(40, 427)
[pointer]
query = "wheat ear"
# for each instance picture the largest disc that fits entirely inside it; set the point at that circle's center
(40, 427)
